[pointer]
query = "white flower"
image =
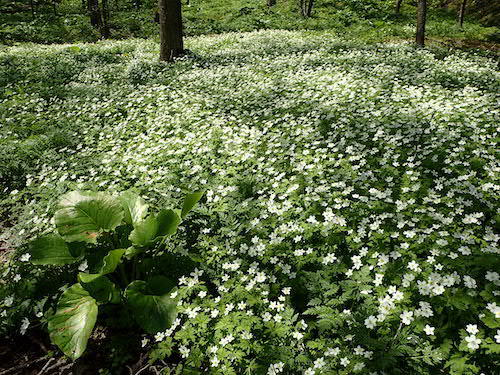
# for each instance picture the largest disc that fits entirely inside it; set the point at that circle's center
(497, 336)
(8, 301)
(344, 361)
(319, 363)
(371, 322)
(24, 326)
(25, 257)
(472, 329)
(406, 317)
(330, 258)
(202, 294)
(214, 361)
(226, 340)
(473, 342)
(429, 330)
(184, 351)
(83, 266)
(332, 352)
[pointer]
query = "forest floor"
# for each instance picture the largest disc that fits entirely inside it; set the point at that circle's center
(276, 125)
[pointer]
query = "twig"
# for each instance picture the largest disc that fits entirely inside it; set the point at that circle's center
(46, 365)
(142, 369)
(24, 365)
(59, 363)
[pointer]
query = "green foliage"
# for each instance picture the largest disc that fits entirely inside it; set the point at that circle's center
(72, 324)
(350, 221)
(365, 17)
(82, 218)
(154, 313)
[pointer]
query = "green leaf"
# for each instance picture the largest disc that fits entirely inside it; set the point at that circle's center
(144, 232)
(168, 221)
(111, 261)
(86, 278)
(160, 285)
(100, 287)
(84, 215)
(189, 201)
(132, 252)
(154, 313)
(71, 326)
(134, 207)
(51, 249)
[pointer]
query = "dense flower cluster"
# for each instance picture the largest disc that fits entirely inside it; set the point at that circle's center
(350, 222)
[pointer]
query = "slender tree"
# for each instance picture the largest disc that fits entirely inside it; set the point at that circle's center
(171, 43)
(306, 7)
(421, 18)
(105, 18)
(94, 13)
(398, 6)
(461, 13)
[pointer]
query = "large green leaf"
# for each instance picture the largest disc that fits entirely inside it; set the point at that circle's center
(72, 324)
(99, 287)
(144, 232)
(111, 261)
(189, 201)
(154, 313)
(168, 221)
(84, 215)
(134, 207)
(51, 249)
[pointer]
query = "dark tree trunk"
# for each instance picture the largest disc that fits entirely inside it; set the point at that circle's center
(421, 18)
(306, 7)
(105, 19)
(271, 3)
(461, 13)
(54, 7)
(95, 13)
(398, 6)
(32, 6)
(171, 43)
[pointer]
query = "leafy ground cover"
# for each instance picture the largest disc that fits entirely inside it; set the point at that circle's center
(350, 218)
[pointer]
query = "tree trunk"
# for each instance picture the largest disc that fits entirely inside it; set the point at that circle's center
(171, 43)
(398, 6)
(306, 7)
(421, 18)
(105, 19)
(461, 13)
(32, 6)
(271, 3)
(94, 13)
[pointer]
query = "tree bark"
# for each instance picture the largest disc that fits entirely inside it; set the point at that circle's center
(398, 6)
(461, 13)
(94, 13)
(306, 7)
(171, 42)
(32, 6)
(271, 3)
(105, 18)
(421, 18)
